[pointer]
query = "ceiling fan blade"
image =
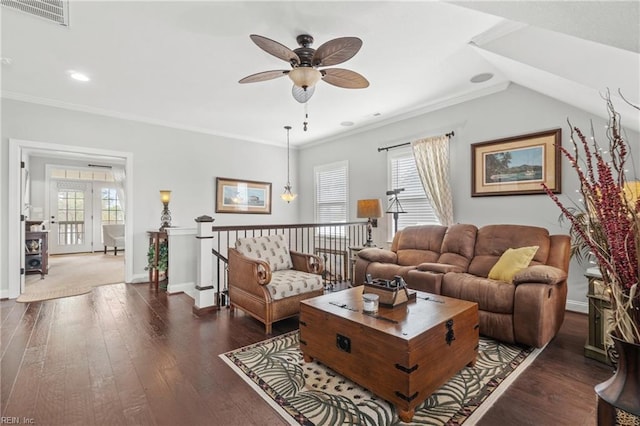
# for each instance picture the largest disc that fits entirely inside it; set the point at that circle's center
(336, 51)
(302, 95)
(264, 76)
(344, 78)
(276, 49)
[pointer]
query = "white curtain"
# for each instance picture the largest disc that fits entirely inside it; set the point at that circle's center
(119, 177)
(432, 162)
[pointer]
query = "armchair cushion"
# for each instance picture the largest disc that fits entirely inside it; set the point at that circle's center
(272, 249)
(285, 283)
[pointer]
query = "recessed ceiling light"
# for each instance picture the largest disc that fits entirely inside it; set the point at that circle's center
(78, 76)
(347, 123)
(480, 78)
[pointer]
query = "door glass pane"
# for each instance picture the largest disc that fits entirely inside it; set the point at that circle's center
(70, 217)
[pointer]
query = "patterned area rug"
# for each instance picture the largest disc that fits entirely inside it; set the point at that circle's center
(312, 394)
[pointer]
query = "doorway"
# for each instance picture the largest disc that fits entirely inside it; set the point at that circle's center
(19, 153)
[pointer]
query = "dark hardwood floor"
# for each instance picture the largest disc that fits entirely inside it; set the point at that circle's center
(125, 354)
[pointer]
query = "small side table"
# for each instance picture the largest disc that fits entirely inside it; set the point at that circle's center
(599, 315)
(156, 239)
(353, 256)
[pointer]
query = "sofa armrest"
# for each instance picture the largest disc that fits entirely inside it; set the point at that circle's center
(441, 268)
(543, 274)
(307, 262)
(246, 271)
(375, 254)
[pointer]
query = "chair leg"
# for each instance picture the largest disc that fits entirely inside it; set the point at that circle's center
(115, 251)
(105, 249)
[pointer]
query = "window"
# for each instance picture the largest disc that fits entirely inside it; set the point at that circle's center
(331, 189)
(414, 201)
(111, 210)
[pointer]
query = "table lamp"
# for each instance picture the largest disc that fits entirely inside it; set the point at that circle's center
(371, 210)
(165, 217)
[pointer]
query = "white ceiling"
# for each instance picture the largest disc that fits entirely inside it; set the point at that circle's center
(178, 63)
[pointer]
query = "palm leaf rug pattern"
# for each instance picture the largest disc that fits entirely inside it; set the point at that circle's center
(312, 394)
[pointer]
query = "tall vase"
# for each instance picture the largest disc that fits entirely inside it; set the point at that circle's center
(622, 391)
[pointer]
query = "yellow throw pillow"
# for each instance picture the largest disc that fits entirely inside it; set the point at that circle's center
(511, 262)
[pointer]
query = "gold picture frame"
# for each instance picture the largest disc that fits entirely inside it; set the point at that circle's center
(242, 196)
(517, 165)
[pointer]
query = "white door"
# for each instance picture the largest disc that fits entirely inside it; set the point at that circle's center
(70, 222)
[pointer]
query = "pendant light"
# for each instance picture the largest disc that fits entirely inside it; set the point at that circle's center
(287, 195)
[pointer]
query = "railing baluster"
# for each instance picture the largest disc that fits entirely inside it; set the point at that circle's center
(330, 241)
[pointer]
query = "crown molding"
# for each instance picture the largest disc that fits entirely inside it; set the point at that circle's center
(123, 116)
(415, 112)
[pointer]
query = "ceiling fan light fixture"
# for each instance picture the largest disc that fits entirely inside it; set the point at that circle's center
(305, 77)
(302, 95)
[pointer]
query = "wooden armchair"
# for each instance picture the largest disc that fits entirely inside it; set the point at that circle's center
(268, 281)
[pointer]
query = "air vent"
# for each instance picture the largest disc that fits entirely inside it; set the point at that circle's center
(52, 10)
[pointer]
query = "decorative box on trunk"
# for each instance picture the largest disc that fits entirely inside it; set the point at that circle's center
(390, 292)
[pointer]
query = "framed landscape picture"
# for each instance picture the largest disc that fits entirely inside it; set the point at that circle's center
(517, 165)
(242, 196)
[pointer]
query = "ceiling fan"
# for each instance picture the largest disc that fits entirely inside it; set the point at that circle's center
(305, 61)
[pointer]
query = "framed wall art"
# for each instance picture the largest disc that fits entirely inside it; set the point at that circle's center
(242, 196)
(516, 166)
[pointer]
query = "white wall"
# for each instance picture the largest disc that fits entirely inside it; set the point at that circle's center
(513, 112)
(164, 158)
(187, 163)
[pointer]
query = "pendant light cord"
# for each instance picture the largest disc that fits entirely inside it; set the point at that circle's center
(288, 179)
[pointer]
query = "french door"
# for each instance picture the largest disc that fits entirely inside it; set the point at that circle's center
(70, 223)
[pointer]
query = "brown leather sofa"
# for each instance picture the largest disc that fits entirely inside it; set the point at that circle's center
(455, 261)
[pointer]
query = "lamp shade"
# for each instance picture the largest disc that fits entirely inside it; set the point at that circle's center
(369, 208)
(165, 195)
(305, 76)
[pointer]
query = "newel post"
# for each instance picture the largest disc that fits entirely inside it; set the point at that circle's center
(204, 297)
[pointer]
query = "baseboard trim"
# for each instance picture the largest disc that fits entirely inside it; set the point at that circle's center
(204, 311)
(4, 294)
(187, 288)
(140, 278)
(575, 306)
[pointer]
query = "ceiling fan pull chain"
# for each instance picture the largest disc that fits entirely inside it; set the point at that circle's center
(306, 117)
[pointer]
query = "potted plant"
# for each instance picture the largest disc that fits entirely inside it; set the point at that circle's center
(606, 222)
(163, 259)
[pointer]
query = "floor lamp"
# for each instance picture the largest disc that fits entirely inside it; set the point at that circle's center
(371, 210)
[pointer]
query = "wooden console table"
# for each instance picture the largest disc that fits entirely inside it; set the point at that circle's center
(156, 240)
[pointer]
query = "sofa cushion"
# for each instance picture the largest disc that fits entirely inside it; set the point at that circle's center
(285, 283)
(419, 244)
(490, 295)
(374, 254)
(458, 245)
(511, 262)
(543, 274)
(493, 240)
(273, 249)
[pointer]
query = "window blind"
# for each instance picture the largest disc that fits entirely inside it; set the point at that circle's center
(331, 192)
(404, 174)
